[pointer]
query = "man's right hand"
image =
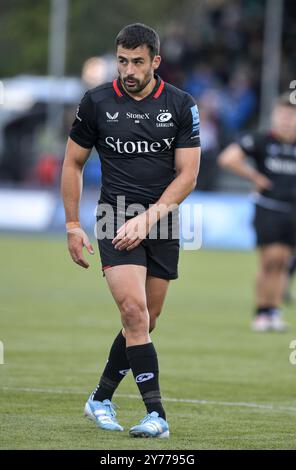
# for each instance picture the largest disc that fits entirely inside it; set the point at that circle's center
(77, 239)
(262, 182)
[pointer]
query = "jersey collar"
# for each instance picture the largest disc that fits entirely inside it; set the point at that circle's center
(156, 92)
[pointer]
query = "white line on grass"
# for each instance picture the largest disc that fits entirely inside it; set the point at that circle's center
(261, 406)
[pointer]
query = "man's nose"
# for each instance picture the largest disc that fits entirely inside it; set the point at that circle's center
(130, 69)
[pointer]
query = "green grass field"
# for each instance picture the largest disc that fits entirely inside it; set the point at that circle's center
(224, 386)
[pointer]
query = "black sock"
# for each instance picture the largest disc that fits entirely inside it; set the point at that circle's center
(116, 368)
(144, 364)
(269, 311)
(272, 311)
(262, 311)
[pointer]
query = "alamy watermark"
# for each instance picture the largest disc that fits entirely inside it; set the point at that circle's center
(1, 353)
(293, 93)
(166, 223)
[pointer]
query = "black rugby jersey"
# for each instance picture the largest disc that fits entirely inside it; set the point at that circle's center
(276, 160)
(136, 140)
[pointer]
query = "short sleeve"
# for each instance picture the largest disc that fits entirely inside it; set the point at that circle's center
(84, 130)
(188, 135)
(249, 143)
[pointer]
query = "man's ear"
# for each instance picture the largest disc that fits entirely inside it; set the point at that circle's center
(156, 62)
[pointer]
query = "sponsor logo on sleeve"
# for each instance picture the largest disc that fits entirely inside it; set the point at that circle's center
(195, 118)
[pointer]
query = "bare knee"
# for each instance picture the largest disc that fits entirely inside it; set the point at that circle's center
(134, 314)
(274, 264)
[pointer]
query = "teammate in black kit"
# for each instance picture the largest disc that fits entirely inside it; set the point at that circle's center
(147, 135)
(274, 155)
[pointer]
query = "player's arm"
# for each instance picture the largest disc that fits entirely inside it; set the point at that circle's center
(71, 183)
(187, 162)
(71, 188)
(233, 158)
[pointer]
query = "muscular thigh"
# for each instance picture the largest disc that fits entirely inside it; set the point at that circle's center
(127, 282)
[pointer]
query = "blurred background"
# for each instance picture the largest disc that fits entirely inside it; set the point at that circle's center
(234, 57)
(223, 385)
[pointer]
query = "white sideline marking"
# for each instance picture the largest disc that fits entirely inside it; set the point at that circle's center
(173, 400)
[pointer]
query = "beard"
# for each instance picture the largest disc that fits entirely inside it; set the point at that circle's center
(133, 85)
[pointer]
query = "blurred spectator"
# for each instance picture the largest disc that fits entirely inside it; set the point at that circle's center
(201, 79)
(47, 170)
(173, 50)
(210, 146)
(237, 102)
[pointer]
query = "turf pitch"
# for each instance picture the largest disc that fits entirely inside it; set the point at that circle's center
(224, 387)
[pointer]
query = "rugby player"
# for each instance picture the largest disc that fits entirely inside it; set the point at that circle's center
(146, 133)
(274, 175)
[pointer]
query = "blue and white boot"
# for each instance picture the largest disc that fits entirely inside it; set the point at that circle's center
(103, 413)
(151, 426)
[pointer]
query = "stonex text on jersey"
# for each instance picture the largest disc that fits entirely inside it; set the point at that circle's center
(136, 140)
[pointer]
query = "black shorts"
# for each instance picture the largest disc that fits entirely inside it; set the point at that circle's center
(159, 256)
(274, 226)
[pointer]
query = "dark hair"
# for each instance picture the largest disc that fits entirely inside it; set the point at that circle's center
(285, 100)
(138, 34)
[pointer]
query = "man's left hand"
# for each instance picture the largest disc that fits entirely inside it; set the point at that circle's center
(131, 234)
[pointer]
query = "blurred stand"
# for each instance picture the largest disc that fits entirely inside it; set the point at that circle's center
(210, 144)
(56, 62)
(272, 45)
(233, 56)
(99, 70)
(24, 125)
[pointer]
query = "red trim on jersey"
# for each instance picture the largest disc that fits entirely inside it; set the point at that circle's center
(160, 88)
(115, 86)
